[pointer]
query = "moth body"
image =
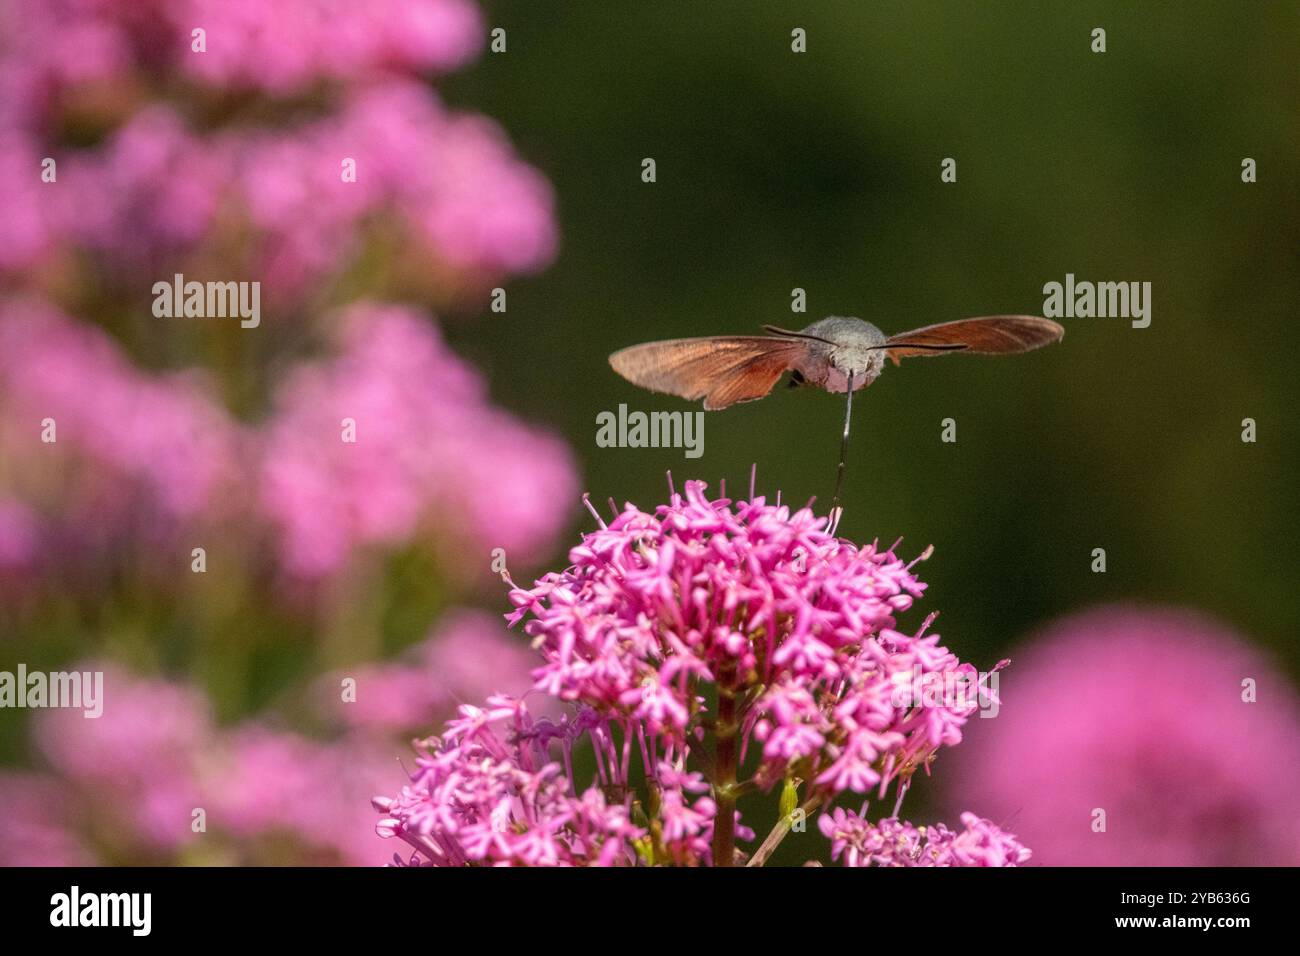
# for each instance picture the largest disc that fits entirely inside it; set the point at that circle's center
(726, 369)
(829, 354)
(856, 346)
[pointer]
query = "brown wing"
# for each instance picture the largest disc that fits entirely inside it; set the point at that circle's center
(722, 369)
(991, 335)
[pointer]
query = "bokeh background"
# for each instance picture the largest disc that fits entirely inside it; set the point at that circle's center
(522, 170)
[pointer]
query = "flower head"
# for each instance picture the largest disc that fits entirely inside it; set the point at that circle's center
(894, 842)
(727, 645)
(487, 795)
(1141, 737)
(127, 785)
(429, 447)
(763, 602)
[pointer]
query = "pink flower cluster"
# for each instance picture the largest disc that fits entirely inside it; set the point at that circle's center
(894, 842)
(286, 47)
(359, 152)
(763, 610)
(125, 786)
(51, 51)
(302, 149)
(150, 192)
(1142, 736)
(159, 172)
(140, 755)
(446, 184)
(428, 448)
(764, 601)
(478, 795)
(128, 442)
(137, 436)
(275, 203)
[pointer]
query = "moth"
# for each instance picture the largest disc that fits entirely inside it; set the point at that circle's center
(838, 354)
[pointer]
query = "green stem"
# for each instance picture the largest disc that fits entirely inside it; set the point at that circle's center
(779, 831)
(724, 773)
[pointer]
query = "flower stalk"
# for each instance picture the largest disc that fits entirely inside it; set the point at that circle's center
(724, 822)
(783, 825)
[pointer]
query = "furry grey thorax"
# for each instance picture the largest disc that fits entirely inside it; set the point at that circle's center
(855, 348)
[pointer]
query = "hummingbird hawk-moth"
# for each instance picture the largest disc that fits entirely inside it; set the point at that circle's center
(837, 354)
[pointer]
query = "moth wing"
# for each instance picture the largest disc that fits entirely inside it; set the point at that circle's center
(722, 370)
(989, 335)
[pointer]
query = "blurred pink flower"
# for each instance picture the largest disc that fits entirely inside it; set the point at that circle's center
(450, 181)
(163, 432)
(137, 758)
(453, 175)
(34, 817)
(263, 782)
(19, 535)
(171, 161)
(433, 457)
(125, 785)
(51, 50)
(469, 656)
(1139, 713)
(158, 197)
(289, 45)
(28, 229)
(430, 453)
(151, 190)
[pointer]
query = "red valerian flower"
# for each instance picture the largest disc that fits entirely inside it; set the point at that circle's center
(732, 647)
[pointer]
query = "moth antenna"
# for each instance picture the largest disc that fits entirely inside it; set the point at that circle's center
(787, 334)
(916, 345)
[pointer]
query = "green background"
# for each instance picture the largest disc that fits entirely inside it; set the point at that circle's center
(821, 170)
